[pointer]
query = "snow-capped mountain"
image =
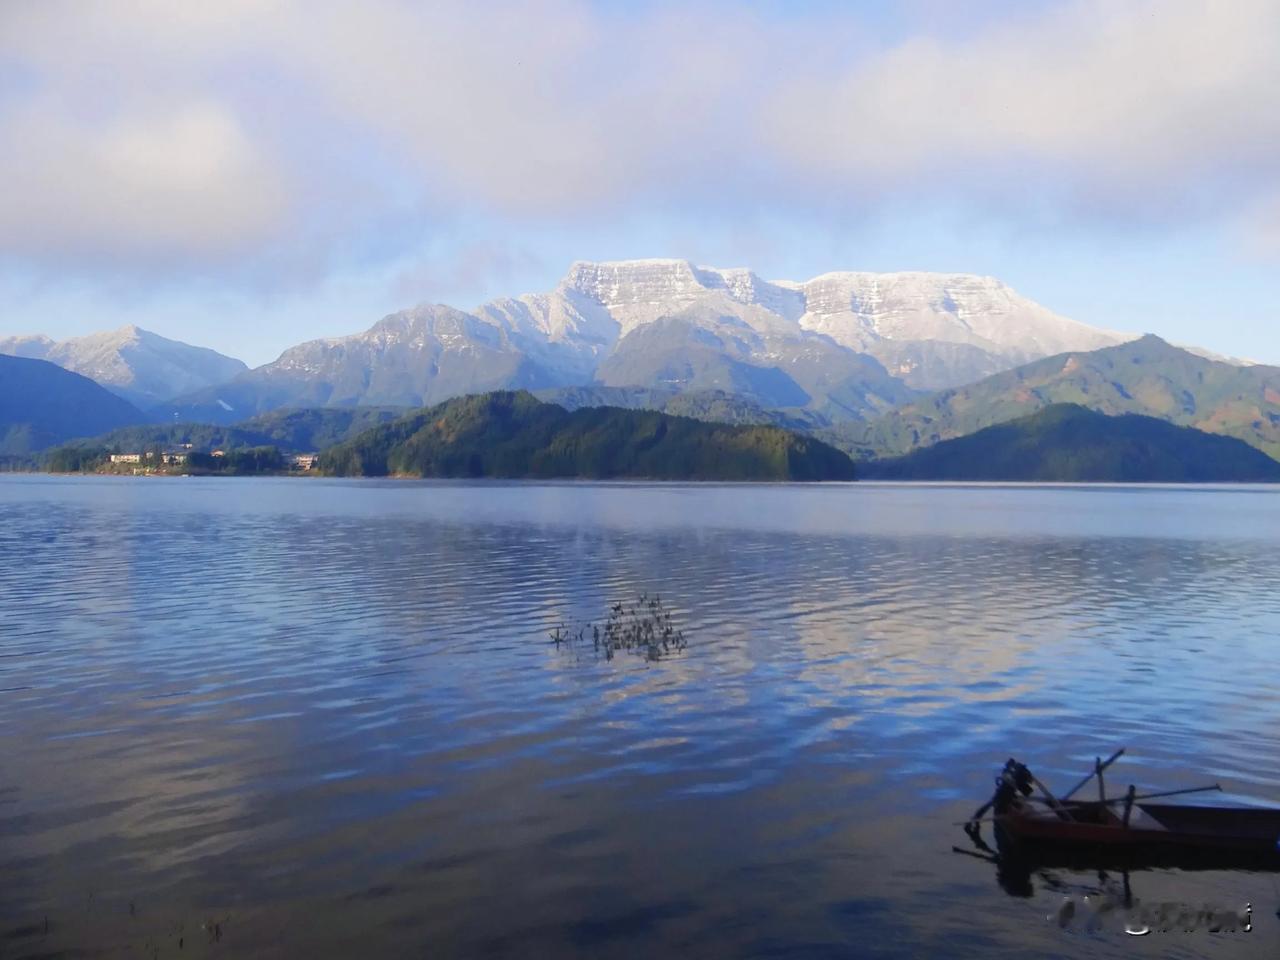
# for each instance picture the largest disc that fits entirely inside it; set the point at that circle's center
(843, 344)
(933, 330)
(143, 367)
(940, 330)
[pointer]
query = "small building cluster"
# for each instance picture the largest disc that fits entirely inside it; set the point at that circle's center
(166, 456)
(298, 461)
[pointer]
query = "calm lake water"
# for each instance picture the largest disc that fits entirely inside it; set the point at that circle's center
(326, 717)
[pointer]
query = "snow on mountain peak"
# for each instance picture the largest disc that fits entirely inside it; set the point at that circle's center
(640, 291)
(143, 367)
(858, 309)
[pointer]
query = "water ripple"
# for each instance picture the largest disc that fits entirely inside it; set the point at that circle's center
(328, 714)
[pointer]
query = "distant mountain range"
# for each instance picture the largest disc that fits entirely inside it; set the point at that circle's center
(1146, 376)
(845, 357)
(840, 346)
(1066, 443)
(144, 368)
(41, 405)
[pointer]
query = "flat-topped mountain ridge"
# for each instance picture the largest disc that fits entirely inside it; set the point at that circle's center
(845, 345)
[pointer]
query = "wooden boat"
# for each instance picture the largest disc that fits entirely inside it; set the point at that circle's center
(1243, 829)
(1127, 823)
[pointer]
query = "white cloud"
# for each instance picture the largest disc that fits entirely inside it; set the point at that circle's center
(182, 182)
(464, 272)
(1124, 99)
(144, 133)
(1259, 228)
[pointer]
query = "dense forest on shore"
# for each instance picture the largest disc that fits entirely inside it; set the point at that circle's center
(293, 431)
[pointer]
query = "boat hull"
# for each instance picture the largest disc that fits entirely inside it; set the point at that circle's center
(1153, 829)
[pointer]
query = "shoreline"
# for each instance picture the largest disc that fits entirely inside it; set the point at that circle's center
(1240, 485)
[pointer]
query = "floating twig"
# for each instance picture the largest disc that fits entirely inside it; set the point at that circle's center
(644, 628)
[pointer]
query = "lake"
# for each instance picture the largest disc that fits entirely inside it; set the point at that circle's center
(287, 718)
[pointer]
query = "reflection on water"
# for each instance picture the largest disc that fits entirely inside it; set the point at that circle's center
(324, 715)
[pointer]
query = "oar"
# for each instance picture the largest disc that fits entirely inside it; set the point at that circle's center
(1055, 804)
(1098, 768)
(974, 853)
(996, 819)
(1167, 793)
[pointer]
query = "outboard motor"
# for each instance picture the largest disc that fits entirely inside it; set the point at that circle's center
(1014, 779)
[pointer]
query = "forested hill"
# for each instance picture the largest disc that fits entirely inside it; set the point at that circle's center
(1066, 443)
(41, 405)
(714, 406)
(1146, 376)
(513, 434)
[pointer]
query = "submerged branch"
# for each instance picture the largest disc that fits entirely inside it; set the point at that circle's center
(644, 628)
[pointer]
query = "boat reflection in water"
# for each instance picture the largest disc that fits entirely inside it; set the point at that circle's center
(1110, 902)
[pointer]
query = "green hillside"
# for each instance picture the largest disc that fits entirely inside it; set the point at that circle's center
(508, 434)
(1146, 376)
(291, 431)
(1067, 443)
(42, 405)
(315, 428)
(713, 406)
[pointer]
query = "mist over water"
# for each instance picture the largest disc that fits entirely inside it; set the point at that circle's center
(326, 716)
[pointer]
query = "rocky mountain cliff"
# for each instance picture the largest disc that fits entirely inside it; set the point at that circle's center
(143, 367)
(841, 346)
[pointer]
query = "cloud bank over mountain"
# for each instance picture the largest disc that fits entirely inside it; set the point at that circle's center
(255, 140)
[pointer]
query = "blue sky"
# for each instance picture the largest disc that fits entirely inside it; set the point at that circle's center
(249, 175)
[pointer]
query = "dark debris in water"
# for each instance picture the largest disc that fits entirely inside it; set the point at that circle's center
(643, 628)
